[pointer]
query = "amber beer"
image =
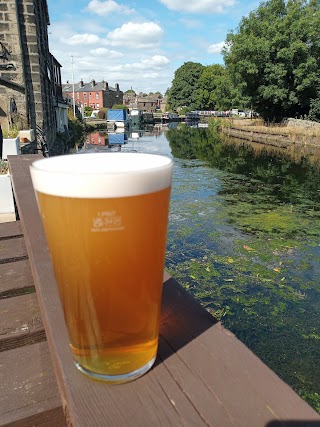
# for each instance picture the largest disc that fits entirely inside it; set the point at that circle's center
(105, 216)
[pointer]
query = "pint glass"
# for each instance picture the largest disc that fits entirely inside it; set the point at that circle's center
(105, 217)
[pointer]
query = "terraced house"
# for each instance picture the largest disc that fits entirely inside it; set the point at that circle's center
(93, 94)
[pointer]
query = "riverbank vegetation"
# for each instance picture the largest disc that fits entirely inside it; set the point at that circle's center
(270, 65)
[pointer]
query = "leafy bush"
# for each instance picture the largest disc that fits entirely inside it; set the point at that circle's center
(119, 107)
(88, 111)
(76, 129)
(3, 167)
(314, 112)
(13, 132)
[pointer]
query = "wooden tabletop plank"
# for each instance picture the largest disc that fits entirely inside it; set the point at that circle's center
(198, 375)
(21, 322)
(10, 229)
(29, 394)
(12, 250)
(15, 278)
(226, 367)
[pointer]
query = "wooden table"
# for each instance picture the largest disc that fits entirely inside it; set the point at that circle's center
(29, 393)
(203, 376)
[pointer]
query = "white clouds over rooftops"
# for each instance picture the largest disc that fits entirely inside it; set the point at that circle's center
(107, 7)
(135, 35)
(156, 62)
(139, 43)
(198, 6)
(216, 47)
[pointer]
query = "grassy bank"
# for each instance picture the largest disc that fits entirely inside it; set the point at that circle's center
(273, 134)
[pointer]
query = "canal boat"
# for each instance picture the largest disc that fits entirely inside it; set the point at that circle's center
(118, 119)
(170, 117)
(192, 116)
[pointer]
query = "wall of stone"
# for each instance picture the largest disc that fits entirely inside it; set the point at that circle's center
(23, 32)
(302, 123)
(12, 90)
(111, 97)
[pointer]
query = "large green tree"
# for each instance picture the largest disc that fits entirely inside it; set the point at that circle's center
(217, 91)
(212, 78)
(274, 57)
(185, 86)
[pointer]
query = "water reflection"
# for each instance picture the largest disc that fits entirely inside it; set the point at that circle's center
(114, 140)
(244, 239)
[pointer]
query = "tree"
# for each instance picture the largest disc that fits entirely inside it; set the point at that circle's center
(185, 86)
(217, 91)
(209, 80)
(314, 112)
(274, 55)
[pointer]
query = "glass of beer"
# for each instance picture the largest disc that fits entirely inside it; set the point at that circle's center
(105, 217)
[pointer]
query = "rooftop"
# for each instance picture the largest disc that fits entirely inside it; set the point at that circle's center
(87, 87)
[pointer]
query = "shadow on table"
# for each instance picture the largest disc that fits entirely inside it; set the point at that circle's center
(183, 319)
(293, 423)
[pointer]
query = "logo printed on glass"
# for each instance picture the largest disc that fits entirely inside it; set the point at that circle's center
(107, 221)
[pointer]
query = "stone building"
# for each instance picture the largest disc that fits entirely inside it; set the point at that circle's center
(30, 77)
(148, 103)
(93, 94)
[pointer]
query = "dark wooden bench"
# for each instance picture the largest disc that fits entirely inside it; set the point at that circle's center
(29, 394)
(204, 376)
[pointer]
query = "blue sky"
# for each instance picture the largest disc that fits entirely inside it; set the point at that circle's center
(139, 43)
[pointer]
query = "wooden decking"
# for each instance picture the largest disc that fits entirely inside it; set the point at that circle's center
(203, 376)
(29, 393)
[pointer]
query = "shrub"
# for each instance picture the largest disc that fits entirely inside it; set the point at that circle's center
(88, 111)
(119, 107)
(314, 112)
(3, 167)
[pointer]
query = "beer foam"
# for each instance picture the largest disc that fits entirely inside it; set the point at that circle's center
(101, 175)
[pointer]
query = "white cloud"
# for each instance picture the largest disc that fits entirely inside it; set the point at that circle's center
(199, 6)
(102, 51)
(216, 47)
(156, 62)
(135, 35)
(107, 7)
(83, 39)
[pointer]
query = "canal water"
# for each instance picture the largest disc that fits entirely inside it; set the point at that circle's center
(244, 239)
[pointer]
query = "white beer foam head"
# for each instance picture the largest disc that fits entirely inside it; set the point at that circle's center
(101, 175)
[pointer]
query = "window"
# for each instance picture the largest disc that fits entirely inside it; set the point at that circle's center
(99, 140)
(84, 95)
(90, 94)
(78, 95)
(97, 95)
(98, 105)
